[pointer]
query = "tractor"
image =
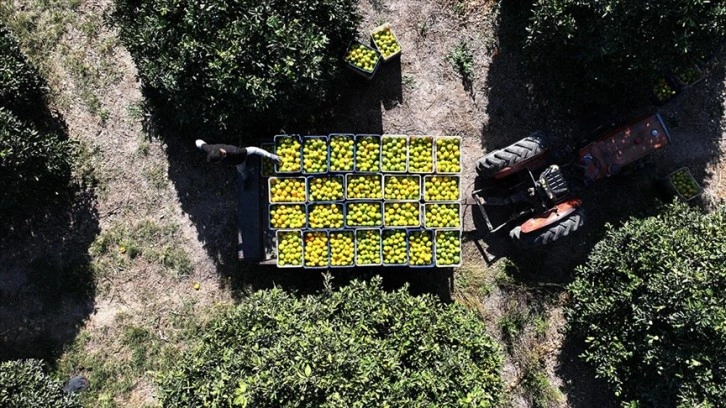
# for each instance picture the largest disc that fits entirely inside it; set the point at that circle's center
(538, 184)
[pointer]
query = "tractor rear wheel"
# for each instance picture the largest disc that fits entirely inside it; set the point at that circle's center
(551, 233)
(523, 150)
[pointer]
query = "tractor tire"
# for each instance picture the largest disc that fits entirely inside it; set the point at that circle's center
(525, 149)
(551, 233)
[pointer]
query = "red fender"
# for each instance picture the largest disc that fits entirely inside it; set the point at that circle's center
(551, 216)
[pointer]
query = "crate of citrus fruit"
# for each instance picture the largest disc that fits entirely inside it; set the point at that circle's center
(386, 42)
(362, 59)
(684, 184)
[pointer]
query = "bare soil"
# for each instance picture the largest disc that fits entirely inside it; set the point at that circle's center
(164, 200)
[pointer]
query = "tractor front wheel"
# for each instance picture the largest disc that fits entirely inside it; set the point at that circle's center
(550, 233)
(513, 156)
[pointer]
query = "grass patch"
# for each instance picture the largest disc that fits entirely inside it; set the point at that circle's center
(462, 60)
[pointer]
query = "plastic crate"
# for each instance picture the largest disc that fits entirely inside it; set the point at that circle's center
(312, 206)
(381, 28)
(273, 206)
(402, 205)
(327, 249)
(388, 177)
(348, 205)
(356, 167)
(457, 233)
(307, 139)
(348, 177)
(411, 141)
(268, 165)
(311, 179)
(439, 177)
(273, 180)
(331, 154)
(278, 138)
(428, 224)
(411, 250)
(358, 232)
(363, 73)
(352, 249)
(383, 244)
(436, 154)
(384, 169)
(689, 177)
(277, 240)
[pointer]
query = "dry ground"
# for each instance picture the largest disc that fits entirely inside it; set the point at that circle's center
(160, 220)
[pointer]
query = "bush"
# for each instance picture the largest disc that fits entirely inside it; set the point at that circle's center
(615, 50)
(355, 347)
(35, 157)
(24, 384)
(650, 303)
(230, 66)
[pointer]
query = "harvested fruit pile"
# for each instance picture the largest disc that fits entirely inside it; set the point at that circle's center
(685, 184)
(374, 200)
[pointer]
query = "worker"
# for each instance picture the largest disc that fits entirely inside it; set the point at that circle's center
(233, 155)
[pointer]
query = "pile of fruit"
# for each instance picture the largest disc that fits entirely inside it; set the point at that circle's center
(684, 183)
(395, 247)
(363, 215)
(362, 57)
(402, 188)
(401, 215)
(368, 247)
(286, 216)
(268, 166)
(288, 148)
(448, 155)
(368, 154)
(441, 188)
(421, 156)
(420, 248)
(325, 188)
(342, 248)
(315, 155)
(316, 248)
(394, 153)
(386, 42)
(364, 187)
(289, 248)
(287, 190)
(442, 216)
(342, 148)
(448, 248)
(325, 215)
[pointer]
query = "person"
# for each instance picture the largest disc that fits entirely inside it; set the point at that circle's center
(233, 155)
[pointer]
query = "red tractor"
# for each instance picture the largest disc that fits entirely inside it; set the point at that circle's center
(546, 202)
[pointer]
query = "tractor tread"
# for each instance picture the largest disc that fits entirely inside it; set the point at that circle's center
(517, 152)
(552, 233)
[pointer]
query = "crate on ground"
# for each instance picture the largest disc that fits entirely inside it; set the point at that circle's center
(683, 183)
(448, 155)
(401, 214)
(386, 42)
(289, 148)
(402, 187)
(394, 153)
(268, 165)
(341, 152)
(363, 186)
(421, 248)
(442, 215)
(441, 188)
(326, 215)
(289, 249)
(342, 248)
(395, 247)
(447, 245)
(287, 216)
(362, 59)
(316, 250)
(421, 154)
(315, 155)
(325, 188)
(368, 247)
(363, 214)
(367, 153)
(286, 190)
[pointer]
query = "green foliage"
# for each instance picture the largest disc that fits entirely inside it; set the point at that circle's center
(650, 303)
(357, 347)
(230, 66)
(615, 50)
(24, 384)
(462, 60)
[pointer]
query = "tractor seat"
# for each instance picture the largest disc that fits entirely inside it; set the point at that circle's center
(552, 182)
